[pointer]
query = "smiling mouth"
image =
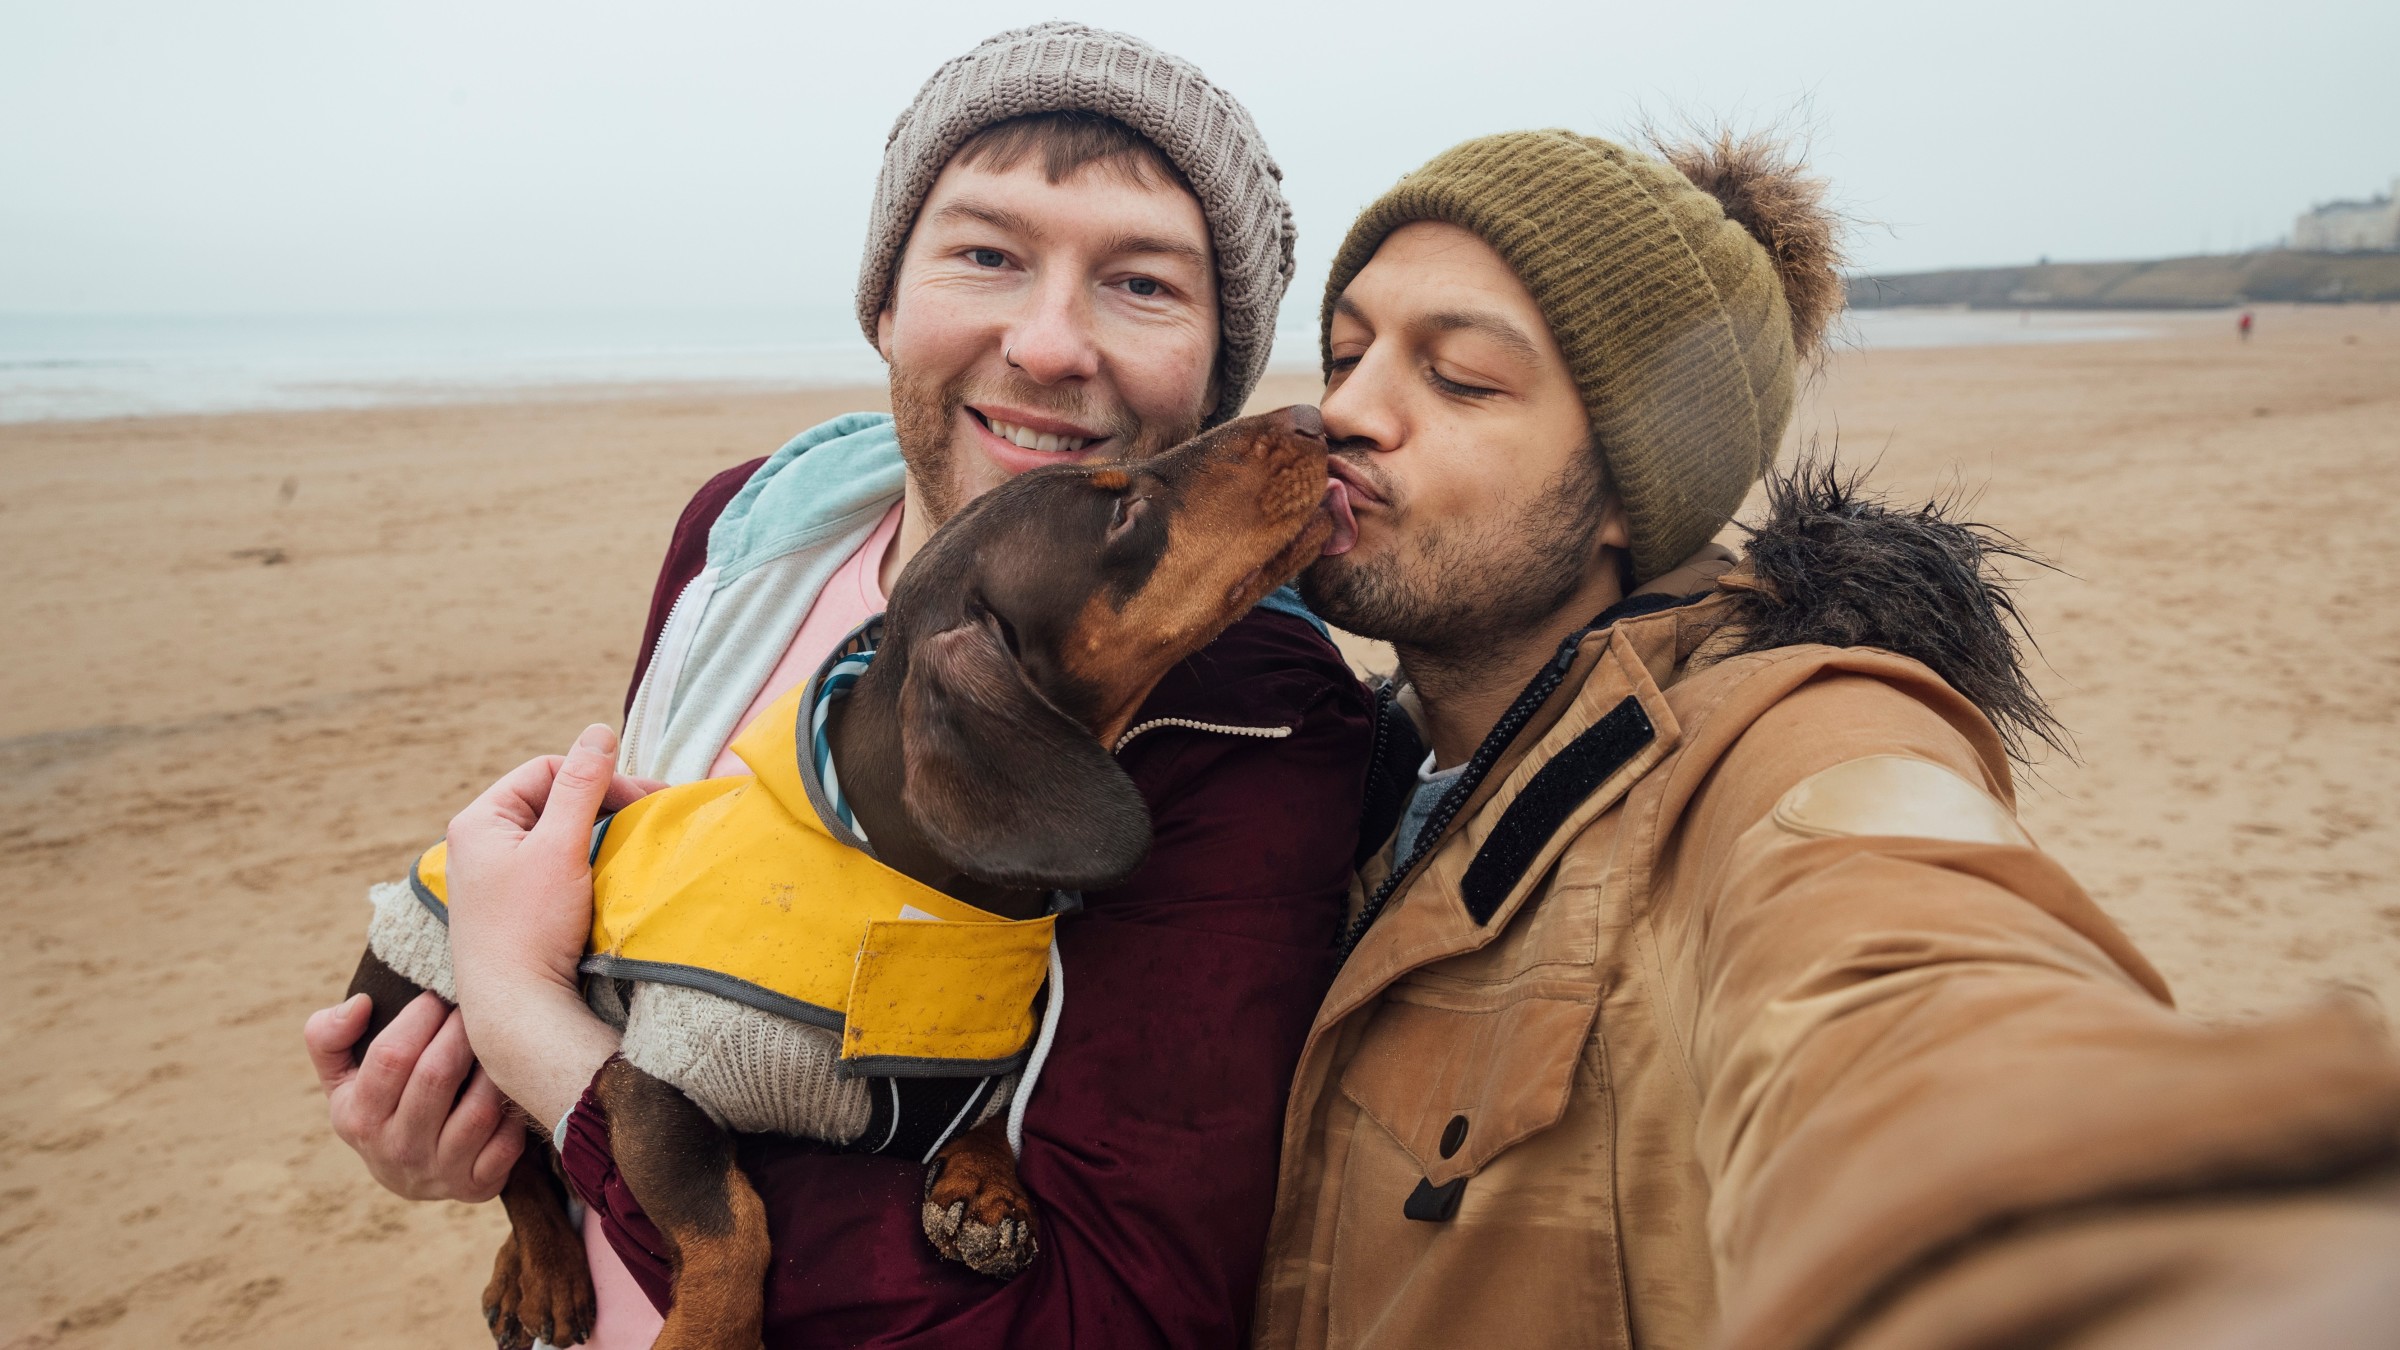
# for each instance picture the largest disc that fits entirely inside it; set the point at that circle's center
(1026, 438)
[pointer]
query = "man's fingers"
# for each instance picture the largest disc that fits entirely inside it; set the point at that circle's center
(384, 1070)
(473, 1117)
(500, 1149)
(331, 1033)
(624, 791)
(576, 792)
(480, 1113)
(516, 800)
(433, 1087)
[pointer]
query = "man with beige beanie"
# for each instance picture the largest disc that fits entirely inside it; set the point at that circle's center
(1076, 248)
(1702, 987)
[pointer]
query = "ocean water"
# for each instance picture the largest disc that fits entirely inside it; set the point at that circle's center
(86, 366)
(1904, 328)
(91, 366)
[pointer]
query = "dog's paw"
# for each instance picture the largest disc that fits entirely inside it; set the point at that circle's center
(980, 1219)
(501, 1298)
(546, 1297)
(555, 1302)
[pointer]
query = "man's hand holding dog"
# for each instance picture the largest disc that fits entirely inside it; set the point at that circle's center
(399, 1104)
(520, 910)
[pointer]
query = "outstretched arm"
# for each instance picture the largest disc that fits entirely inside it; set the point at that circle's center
(1946, 1103)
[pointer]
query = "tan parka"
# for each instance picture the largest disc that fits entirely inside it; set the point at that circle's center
(1760, 1022)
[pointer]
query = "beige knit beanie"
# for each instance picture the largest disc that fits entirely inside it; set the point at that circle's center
(1682, 311)
(1059, 67)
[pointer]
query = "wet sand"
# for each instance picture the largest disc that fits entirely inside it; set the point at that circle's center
(256, 660)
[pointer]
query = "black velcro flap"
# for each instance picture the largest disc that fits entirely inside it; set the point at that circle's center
(1429, 1203)
(1561, 786)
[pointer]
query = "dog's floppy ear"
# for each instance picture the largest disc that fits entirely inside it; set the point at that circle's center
(1002, 783)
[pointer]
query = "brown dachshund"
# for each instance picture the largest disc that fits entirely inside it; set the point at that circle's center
(975, 753)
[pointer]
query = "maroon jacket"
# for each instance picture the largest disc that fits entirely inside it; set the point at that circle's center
(1150, 1140)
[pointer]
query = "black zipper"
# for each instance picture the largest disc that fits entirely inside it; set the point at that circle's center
(1537, 692)
(1495, 744)
(1381, 784)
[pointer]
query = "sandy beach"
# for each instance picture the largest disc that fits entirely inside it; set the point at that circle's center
(256, 660)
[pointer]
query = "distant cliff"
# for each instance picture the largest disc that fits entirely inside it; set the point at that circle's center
(2170, 283)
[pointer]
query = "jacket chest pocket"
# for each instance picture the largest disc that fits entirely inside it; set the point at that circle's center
(1457, 1080)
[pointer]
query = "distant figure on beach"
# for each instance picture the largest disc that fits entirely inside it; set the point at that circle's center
(2244, 325)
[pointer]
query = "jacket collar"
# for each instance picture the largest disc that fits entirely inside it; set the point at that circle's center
(1399, 731)
(1429, 917)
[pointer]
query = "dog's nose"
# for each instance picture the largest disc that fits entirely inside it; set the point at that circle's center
(1307, 421)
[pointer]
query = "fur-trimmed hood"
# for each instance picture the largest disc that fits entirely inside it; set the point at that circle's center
(1833, 563)
(1830, 564)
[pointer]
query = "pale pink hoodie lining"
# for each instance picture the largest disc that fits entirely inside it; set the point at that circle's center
(851, 595)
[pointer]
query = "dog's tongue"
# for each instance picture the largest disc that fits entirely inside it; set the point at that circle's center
(1345, 525)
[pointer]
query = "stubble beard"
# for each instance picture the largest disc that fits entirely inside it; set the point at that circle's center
(925, 415)
(1457, 589)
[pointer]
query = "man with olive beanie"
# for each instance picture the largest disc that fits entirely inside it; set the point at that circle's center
(1702, 987)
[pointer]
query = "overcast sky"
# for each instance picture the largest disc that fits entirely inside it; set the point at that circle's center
(171, 156)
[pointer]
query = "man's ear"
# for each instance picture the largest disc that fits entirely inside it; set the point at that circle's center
(1002, 783)
(883, 332)
(1616, 528)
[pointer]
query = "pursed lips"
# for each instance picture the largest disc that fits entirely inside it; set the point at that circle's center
(1361, 487)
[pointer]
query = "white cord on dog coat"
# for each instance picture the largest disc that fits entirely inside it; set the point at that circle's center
(1041, 1051)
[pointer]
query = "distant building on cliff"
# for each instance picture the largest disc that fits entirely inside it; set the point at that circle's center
(2351, 227)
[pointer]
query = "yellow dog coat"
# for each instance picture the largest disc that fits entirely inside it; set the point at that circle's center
(737, 887)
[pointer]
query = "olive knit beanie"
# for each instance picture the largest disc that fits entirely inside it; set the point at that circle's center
(1061, 67)
(1682, 312)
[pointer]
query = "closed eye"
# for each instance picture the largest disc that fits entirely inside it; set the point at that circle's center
(1455, 389)
(1127, 512)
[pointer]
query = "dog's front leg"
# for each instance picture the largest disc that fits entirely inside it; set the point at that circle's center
(976, 1210)
(541, 1283)
(541, 1286)
(680, 1165)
